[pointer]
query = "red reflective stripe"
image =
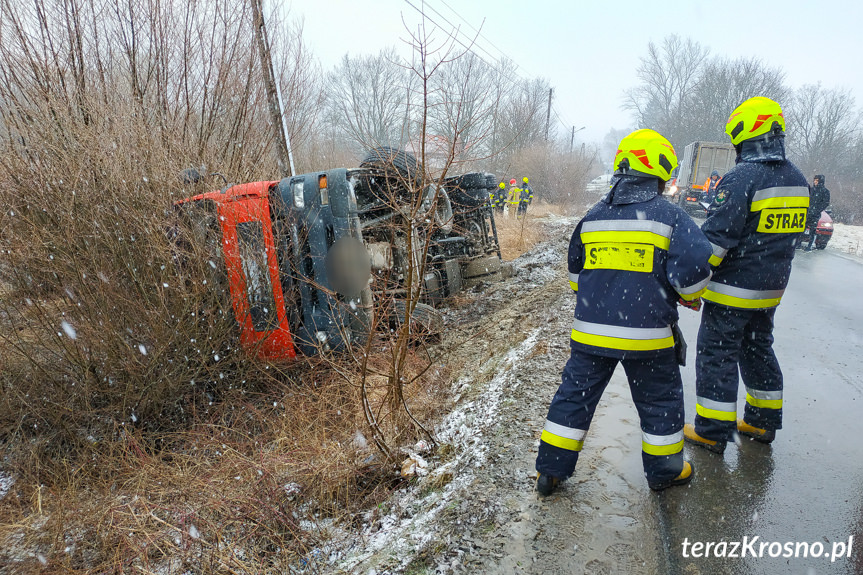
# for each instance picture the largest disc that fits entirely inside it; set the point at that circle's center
(642, 155)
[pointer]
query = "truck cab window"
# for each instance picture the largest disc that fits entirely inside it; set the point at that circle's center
(253, 255)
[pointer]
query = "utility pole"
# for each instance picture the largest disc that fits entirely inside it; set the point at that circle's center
(572, 139)
(274, 99)
(548, 114)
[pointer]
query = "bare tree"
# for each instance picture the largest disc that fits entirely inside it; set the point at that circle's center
(669, 75)
(371, 98)
(823, 126)
(722, 86)
(522, 116)
(461, 107)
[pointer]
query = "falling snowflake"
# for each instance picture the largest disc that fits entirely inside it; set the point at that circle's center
(69, 330)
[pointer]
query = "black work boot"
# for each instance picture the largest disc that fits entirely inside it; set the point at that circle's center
(546, 484)
(682, 479)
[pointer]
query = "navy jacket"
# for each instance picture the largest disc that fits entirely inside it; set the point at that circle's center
(759, 208)
(630, 259)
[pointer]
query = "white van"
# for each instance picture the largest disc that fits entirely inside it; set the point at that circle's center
(599, 185)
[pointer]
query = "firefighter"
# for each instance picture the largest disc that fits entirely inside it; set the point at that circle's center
(495, 198)
(759, 208)
(632, 259)
(512, 199)
(525, 198)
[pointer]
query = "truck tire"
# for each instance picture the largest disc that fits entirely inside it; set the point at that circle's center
(386, 158)
(469, 190)
(471, 180)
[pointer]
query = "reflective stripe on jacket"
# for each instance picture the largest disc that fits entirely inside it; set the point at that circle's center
(759, 209)
(630, 259)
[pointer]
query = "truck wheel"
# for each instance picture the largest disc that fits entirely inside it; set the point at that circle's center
(386, 158)
(426, 321)
(471, 180)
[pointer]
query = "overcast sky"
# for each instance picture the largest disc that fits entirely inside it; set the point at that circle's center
(589, 50)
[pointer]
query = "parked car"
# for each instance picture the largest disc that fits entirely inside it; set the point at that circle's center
(824, 231)
(599, 185)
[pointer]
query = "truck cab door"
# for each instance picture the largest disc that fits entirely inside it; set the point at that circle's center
(252, 269)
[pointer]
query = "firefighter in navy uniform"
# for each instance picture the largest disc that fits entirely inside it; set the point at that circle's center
(525, 199)
(632, 258)
(496, 197)
(759, 208)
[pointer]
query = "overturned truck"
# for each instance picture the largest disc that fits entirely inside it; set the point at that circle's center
(306, 258)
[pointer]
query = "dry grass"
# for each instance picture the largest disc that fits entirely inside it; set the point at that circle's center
(517, 236)
(248, 486)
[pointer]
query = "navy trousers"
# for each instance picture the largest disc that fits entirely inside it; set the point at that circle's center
(657, 391)
(730, 339)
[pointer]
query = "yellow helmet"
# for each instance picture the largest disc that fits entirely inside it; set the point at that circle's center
(501, 185)
(524, 179)
(646, 152)
(753, 118)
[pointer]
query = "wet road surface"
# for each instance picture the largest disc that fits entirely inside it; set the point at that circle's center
(807, 487)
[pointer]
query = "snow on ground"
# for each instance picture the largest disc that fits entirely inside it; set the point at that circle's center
(847, 239)
(6, 482)
(412, 525)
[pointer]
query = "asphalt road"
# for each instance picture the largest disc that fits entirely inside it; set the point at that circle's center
(807, 487)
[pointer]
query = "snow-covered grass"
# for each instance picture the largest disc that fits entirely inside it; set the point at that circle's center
(847, 239)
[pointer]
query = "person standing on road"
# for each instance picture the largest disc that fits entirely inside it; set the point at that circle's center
(709, 187)
(819, 201)
(525, 199)
(760, 207)
(632, 259)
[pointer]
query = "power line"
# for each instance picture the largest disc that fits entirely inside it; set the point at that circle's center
(474, 41)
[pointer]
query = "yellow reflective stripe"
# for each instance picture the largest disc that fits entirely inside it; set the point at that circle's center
(692, 296)
(732, 301)
(765, 403)
(715, 260)
(630, 237)
(562, 442)
(622, 343)
(662, 449)
(780, 202)
(715, 413)
(573, 285)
